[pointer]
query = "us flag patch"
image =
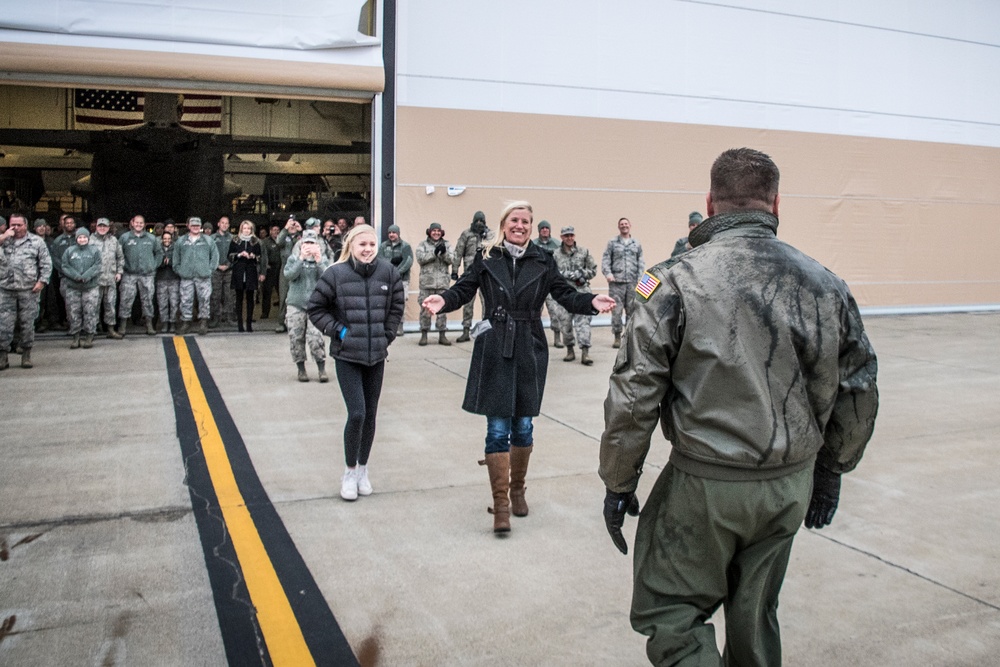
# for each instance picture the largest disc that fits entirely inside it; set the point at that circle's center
(647, 285)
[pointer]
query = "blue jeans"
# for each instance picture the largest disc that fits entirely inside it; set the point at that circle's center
(502, 432)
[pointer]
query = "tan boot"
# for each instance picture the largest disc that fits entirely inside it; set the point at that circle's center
(88, 342)
(303, 376)
(150, 331)
(498, 465)
(557, 339)
(184, 328)
(618, 341)
(321, 368)
(464, 338)
(423, 337)
(112, 334)
(443, 339)
(122, 326)
(570, 354)
(26, 358)
(202, 326)
(518, 469)
(75, 343)
(4, 363)
(585, 357)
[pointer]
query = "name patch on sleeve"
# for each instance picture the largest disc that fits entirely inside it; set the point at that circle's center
(647, 285)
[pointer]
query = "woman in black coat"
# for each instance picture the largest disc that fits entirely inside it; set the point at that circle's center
(510, 356)
(358, 303)
(249, 268)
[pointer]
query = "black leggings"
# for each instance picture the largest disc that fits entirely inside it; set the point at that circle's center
(241, 296)
(361, 387)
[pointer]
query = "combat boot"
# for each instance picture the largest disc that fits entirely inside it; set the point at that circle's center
(443, 339)
(26, 358)
(557, 339)
(112, 334)
(4, 364)
(618, 341)
(88, 341)
(464, 338)
(303, 376)
(570, 354)
(585, 357)
(76, 342)
(321, 367)
(423, 337)
(202, 326)
(150, 331)
(498, 465)
(399, 329)
(518, 470)
(184, 328)
(122, 326)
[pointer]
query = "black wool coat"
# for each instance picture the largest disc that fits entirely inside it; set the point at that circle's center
(245, 271)
(510, 361)
(367, 300)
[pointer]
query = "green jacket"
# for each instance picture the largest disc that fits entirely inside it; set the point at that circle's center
(195, 258)
(59, 246)
(81, 267)
(143, 252)
(751, 356)
(400, 255)
(222, 241)
(302, 276)
(576, 266)
(24, 262)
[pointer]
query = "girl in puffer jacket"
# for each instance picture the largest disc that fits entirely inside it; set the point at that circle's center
(358, 302)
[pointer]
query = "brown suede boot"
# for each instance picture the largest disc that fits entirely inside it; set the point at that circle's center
(518, 469)
(557, 339)
(423, 337)
(570, 354)
(26, 358)
(585, 356)
(498, 465)
(443, 339)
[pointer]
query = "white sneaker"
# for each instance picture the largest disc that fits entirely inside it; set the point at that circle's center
(349, 485)
(364, 486)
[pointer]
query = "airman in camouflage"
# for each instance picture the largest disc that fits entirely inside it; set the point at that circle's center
(302, 271)
(469, 241)
(143, 255)
(576, 265)
(288, 237)
(400, 254)
(622, 264)
(195, 257)
(81, 271)
(112, 268)
(25, 267)
(550, 245)
(223, 297)
(435, 257)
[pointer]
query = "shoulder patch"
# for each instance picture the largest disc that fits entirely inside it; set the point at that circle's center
(647, 285)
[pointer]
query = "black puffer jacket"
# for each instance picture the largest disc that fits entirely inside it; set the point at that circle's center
(365, 299)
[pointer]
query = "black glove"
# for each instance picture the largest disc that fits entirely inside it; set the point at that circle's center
(616, 505)
(440, 249)
(826, 494)
(454, 275)
(396, 261)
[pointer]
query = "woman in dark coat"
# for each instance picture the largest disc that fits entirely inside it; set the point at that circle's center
(510, 355)
(358, 303)
(249, 268)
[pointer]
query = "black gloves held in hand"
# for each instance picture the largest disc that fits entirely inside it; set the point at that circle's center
(825, 496)
(440, 249)
(396, 261)
(454, 275)
(616, 505)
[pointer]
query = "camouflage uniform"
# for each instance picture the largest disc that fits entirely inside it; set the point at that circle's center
(23, 263)
(623, 260)
(400, 255)
(577, 266)
(469, 241)
(81, 273)
(112, 263)
(435, 278)
(302, 276)
(286, 241)
(550, 246)
(223, 299)
(195, 260)
(143, 253)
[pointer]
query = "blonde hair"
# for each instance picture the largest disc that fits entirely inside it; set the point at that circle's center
(498, 239)
(355, 232)
(253, 227)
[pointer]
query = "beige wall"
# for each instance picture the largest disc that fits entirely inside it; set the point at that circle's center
(907, 224)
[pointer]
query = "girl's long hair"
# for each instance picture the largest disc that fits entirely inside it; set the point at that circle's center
(356, 231)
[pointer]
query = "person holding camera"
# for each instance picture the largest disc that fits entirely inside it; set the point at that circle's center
(400, 254)
(302, 271)
(436, 258)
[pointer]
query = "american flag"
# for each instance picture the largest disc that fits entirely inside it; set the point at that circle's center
(103, 109)
(201, 112)
(647, 285)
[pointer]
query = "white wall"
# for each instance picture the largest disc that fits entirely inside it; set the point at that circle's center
(898, 69)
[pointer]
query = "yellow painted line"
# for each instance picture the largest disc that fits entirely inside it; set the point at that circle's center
(282, 633)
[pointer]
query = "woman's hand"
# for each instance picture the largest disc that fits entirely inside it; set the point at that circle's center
(435, 302)
(603, 303)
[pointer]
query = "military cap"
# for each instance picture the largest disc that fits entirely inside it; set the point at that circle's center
(567, 230)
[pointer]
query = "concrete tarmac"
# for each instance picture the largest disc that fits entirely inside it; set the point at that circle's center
(102, 563)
